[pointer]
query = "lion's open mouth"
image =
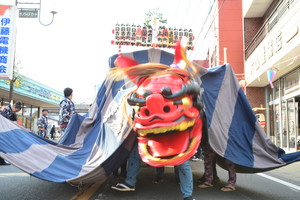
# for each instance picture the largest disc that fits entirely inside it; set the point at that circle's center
(166, 142)
(184, 125)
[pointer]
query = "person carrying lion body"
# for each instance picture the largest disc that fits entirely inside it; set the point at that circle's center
(167, 119)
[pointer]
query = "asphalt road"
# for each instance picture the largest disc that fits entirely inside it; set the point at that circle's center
(282, 183)
(17, 185)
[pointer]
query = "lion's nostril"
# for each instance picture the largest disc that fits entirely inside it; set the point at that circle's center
(166, 109)
(147, 112)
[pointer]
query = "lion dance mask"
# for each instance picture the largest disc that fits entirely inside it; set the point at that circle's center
(166, 107)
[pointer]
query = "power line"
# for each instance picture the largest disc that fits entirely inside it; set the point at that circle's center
(212, 21)
(202, 28)
(196, 13)
(184, 17)
(191, 19)
(208, 14)
(177, 9)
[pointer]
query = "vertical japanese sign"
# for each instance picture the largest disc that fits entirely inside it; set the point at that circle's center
(7, 40)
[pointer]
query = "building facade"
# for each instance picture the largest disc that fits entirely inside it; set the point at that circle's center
(34, 96)
(225, 35)
(272, 66)
(261, 41)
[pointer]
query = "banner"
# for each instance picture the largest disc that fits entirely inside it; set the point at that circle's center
(7, 40)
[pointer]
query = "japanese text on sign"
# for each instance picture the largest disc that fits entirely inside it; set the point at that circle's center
(7, 42)
(28, 13)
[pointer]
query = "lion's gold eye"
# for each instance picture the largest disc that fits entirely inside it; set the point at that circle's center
(184, 101)
(136, 109)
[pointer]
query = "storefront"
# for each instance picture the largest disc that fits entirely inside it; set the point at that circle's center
(272, 59)
(34, 96)
(284, 109)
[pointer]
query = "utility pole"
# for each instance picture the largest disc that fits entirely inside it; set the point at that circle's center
(11, 88)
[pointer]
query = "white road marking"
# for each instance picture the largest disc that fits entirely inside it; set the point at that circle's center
(12, 174)
(296, 187)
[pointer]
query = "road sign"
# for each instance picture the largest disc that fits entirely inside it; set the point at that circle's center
(28, 13)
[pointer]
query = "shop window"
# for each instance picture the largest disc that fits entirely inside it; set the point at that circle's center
(35, 112)
(4, 102)
(291, 82)
(27, 110)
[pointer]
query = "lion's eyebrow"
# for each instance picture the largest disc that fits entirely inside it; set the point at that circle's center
(192, 88)
(147, 93)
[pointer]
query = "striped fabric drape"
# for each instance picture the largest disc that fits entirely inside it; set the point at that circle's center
(98, 142)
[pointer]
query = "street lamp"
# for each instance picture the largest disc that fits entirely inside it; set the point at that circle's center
(52, 12)
(33, 13)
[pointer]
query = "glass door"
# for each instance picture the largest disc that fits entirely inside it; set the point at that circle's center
(276, 126)
(292, 122)
(289, 124)
(284, 125)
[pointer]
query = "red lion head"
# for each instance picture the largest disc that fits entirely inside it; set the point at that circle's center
(166, 112)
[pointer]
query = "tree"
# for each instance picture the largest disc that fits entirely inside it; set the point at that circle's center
(155, 13)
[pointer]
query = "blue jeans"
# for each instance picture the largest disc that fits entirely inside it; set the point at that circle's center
(186, 179)
(184, 172)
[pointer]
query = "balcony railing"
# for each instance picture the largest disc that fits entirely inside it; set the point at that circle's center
(281, 9)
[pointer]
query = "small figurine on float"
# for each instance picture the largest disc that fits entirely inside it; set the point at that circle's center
(165, 38)
(185, 32)
(144, 36)
(170, 38)
(138, 34)
(133, 34)
(159, 37)
(180, 33)
(128, 34)
(191, 38)
(149, 36)
(176, 36)
(117, 33)
(123, 33)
